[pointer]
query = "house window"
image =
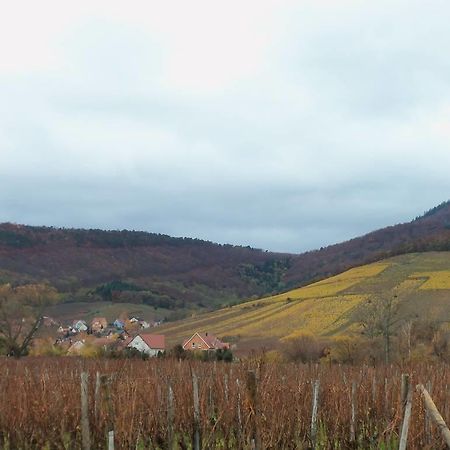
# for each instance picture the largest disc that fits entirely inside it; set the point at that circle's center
(193, 345)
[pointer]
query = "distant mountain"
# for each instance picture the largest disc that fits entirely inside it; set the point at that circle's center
(429, 232)
(181, 273)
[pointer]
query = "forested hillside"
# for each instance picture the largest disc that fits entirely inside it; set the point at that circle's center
(182, 273)
(137, 267)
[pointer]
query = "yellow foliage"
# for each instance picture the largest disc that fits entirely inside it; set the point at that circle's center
(316, 316)
(46, 347)
(358, 273)
(89, 351)
(330, 286)
(273, 356)
(346, 349)
(326, 308)
(435, 280)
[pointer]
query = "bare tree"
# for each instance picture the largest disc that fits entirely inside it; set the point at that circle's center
(21, 315)
(382, 314)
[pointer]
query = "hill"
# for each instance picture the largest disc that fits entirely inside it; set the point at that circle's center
(181, 275)
(430, 232)
(171, 274)
(328, 307)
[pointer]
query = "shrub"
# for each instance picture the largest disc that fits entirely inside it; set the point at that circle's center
(304, 348)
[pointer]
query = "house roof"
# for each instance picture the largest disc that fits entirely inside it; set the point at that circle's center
(210, 340)
(79, 324)
(79, 321)
(155, 341)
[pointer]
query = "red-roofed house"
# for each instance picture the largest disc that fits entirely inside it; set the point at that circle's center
(151, 344)
(204, 341)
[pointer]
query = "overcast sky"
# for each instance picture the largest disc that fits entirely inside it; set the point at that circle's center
(281, 125)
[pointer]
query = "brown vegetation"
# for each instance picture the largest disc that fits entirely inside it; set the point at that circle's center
(40, 404)
(174, 273)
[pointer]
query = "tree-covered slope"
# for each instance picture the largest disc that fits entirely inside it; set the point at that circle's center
(137, 267)
(184, 274)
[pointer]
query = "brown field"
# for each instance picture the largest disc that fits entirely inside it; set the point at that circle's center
(40, 404)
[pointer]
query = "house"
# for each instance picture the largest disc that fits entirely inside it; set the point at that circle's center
(79, 325)
(204, 341)
(150, 344)
(134, 320)
(144, 324)
(119, 324)
(98, 324)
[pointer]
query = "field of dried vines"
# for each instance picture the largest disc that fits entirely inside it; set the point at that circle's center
(162, 404)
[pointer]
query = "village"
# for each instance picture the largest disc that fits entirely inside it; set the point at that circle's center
(122, 337)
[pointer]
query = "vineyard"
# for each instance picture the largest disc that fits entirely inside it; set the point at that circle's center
(167, 404)
(327, 308)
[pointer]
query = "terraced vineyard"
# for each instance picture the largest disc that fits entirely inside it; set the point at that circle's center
(326, 307)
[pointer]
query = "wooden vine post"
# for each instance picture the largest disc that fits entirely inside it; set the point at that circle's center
(315, 409)
(353, 414)
(170, 417)
(97, 395)
(105, 383)
(434, 414)
(406, 399)
(196, 412)
(255, 439)
(85, 432)
(239, 415)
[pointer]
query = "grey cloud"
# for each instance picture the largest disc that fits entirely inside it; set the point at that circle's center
(334, 136)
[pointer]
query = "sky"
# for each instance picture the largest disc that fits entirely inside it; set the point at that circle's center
(283, 125)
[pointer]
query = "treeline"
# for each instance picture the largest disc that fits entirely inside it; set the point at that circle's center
(431, 212)
(22, 236)
(122, 292)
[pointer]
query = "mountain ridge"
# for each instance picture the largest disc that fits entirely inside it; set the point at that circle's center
(163, 271)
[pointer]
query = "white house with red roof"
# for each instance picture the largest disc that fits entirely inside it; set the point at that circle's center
(204, 341)
(150, 344)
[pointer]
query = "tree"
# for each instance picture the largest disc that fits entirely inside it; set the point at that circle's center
(21, 315)
(178, 352)
(224, 355)
(381, 315)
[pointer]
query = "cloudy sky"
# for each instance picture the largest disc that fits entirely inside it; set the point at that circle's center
(276, 124)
